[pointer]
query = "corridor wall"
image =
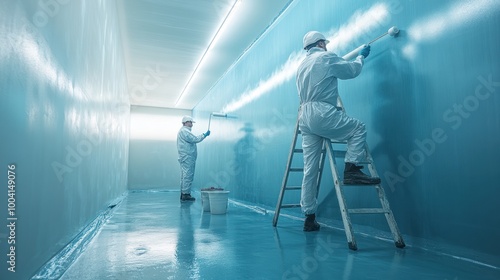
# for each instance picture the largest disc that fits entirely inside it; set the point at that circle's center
(64, 122)
(429, 98)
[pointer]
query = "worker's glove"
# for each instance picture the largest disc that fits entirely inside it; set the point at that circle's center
(207, 133)
(365, 51)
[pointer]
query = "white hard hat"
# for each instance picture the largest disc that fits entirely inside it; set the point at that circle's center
(187, 119)
(312, 37)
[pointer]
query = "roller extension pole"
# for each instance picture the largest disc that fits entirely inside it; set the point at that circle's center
(354, 52)
(220, 115)
(393, 31)
(209, 120)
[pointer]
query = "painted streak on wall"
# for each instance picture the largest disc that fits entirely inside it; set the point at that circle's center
(64, 122)
(429, 97)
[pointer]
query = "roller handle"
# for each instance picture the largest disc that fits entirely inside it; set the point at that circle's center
(354, 53)
(393, 31)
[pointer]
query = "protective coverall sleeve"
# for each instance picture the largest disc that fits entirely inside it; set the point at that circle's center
(343, 69)
(191, 138)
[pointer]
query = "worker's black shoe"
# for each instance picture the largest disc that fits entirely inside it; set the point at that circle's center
(354, 176)
(310, 223)
(187, 197)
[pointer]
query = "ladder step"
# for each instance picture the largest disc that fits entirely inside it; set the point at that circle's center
(293, 188)
(368, 211)
(296, 169)
(290, 205)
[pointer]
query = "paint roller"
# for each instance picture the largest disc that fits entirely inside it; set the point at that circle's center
(219, 115)
(393, 31)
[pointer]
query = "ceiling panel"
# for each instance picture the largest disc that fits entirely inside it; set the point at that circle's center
(165, 40)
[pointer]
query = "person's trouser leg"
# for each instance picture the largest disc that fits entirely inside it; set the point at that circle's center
(356, 151)
(311, 145)
(354, 132)
(344, 128)
(187, 175)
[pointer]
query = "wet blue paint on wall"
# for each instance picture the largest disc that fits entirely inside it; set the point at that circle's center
(429, 98)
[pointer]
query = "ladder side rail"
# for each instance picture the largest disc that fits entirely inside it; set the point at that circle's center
(396, 234)
(321, 167)
(287, 172)
(351, 241)
(391, 221)
(333, 162)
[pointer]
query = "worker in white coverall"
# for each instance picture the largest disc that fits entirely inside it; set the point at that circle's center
(319, 118)
(186, 147)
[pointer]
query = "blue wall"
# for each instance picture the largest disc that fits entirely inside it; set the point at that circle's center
(64, 121)
(153, 153)
(430, 99)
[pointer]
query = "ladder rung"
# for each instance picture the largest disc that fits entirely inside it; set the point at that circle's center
(293, 188)
(295, 169)
(368, 211)
(290, 205)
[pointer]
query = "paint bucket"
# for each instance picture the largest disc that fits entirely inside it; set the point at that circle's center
(205, 198)
(218, 201)
(205, 201)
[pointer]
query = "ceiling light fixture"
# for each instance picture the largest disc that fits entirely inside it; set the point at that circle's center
(206, 51)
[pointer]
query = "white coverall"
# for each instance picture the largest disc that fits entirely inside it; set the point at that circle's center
(319, 117)
(186, 147)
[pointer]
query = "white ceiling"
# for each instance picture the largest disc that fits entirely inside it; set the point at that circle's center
(165, 41)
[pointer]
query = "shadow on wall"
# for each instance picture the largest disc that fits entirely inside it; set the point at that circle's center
(395, 122)
(393, 125)
(248, 178)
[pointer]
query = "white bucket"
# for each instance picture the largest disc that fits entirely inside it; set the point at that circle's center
(218, 201)
(205, 201)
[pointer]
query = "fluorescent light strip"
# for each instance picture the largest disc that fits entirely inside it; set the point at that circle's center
(341, 38)
(205, 53)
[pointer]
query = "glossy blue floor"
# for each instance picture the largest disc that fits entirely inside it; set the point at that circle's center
(151, 235)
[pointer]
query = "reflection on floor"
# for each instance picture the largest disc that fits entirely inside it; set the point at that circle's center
(151, 235)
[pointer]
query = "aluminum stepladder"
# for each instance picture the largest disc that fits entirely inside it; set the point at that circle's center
(345, 212)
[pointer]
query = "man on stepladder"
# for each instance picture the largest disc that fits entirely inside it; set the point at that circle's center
(319, 118)
(186, 147)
